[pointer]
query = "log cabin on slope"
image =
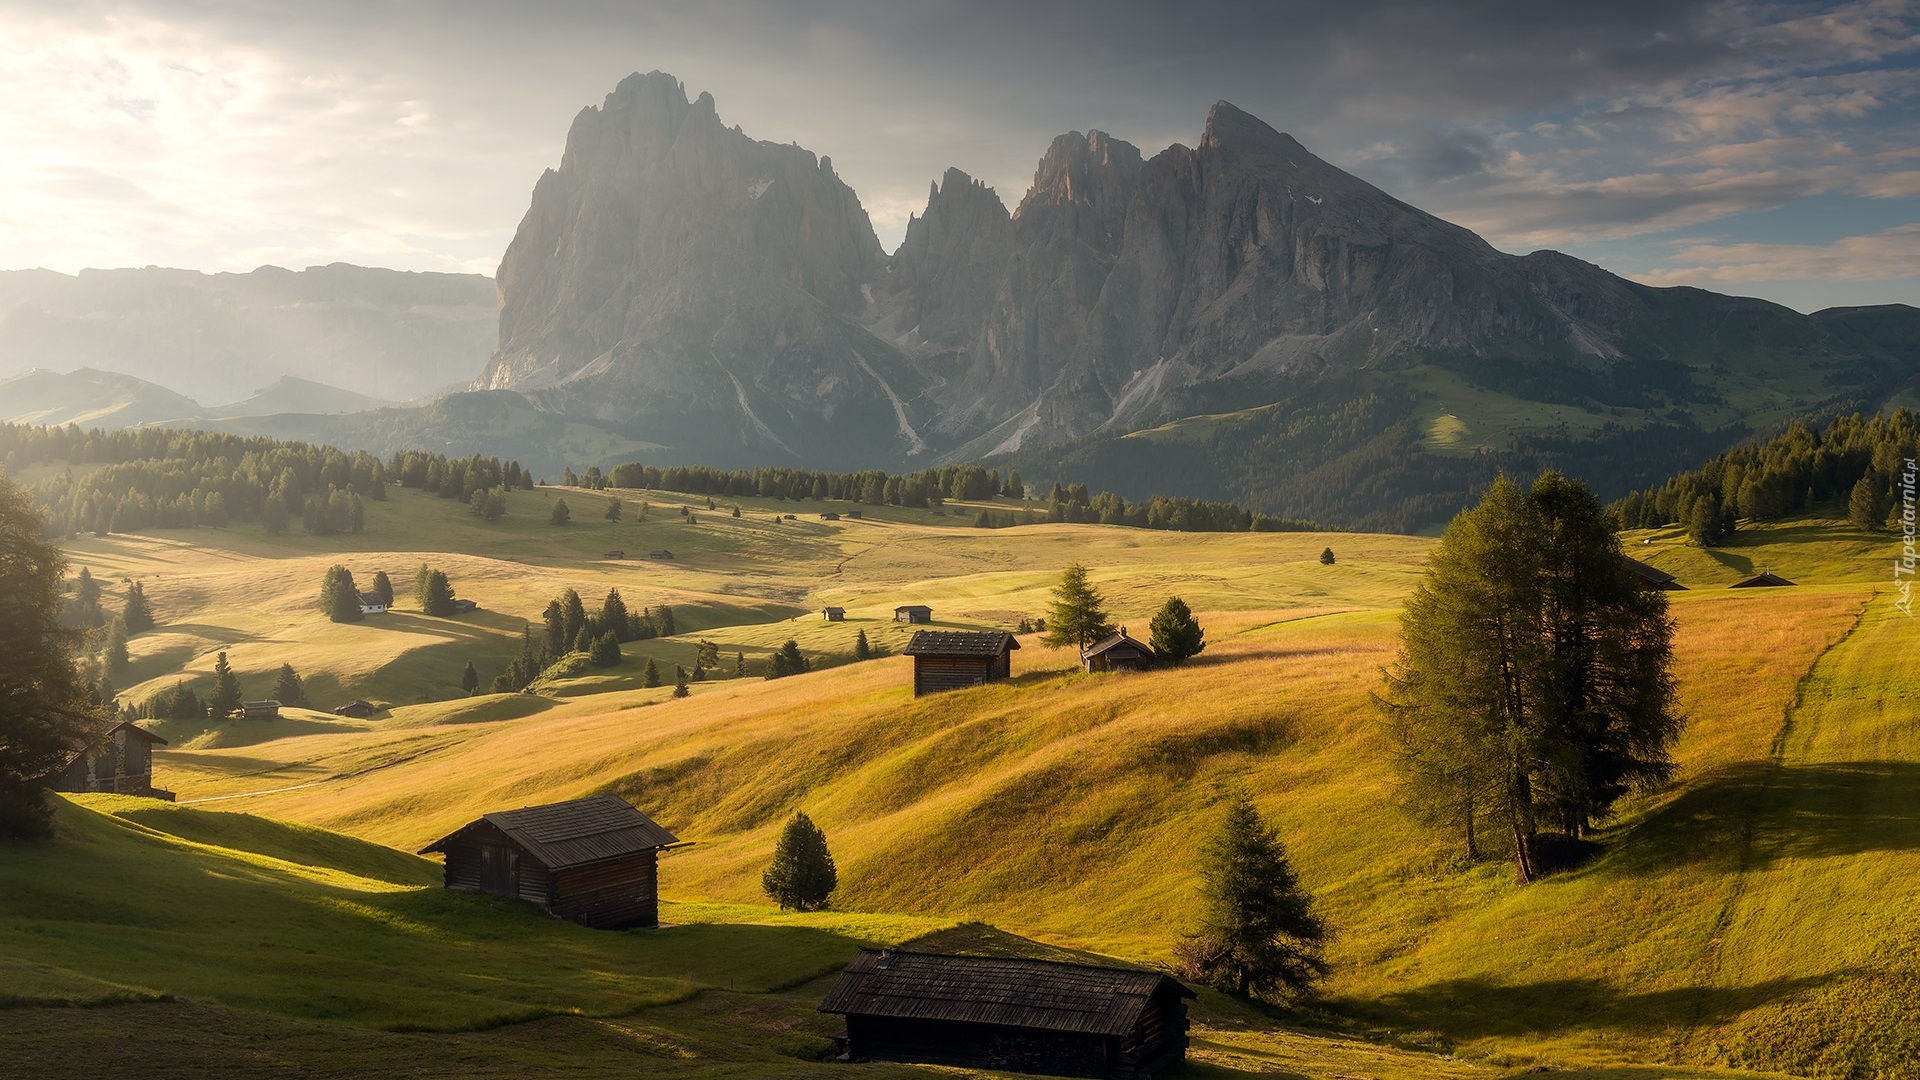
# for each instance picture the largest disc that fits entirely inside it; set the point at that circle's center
(593, 860)
(956, 659)
(1014, 1014)
(117, 760)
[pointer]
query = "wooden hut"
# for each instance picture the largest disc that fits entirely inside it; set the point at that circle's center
(956, 659)
(829, 516)
(461, 607)
(1765, 579)
(833, 614)
(913, 613)
(1019, 1015)
(117, 760)
(357, 709)
(855, 515)
(1652, 577)
(660, 553)
(1120, 652)
(260, 710)
(591, 860)
(614, 554)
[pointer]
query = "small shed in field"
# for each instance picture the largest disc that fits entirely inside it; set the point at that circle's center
(833, 614)
(659, 553)
(260, 710)
(117, 760)
(592, 860)
(1652, 577)
(357, 709)
(615, 554)
(856, 515)
(913, 613)
(1120, 652)
(829, 516)
(956, 659)
(1020, 1015)
(461, 607)
(1765, 579)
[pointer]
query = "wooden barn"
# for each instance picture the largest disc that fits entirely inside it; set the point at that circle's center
(1120, 652)
(660, 553)
(357, 709)
(913, 613)
(1765, 579)
(260, 710)
(829, 516)
(461, 607)
(118, 760)
(614, 554)
(834, 614)
(956, 659)
(855, 515)
(592, 860)
(1032, 1016)
(1652, 577)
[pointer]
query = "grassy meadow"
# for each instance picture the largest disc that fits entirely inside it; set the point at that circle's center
(1748, 919)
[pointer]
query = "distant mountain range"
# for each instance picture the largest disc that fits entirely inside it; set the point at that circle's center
(383, 333)
(93, 398)
(1237, 320)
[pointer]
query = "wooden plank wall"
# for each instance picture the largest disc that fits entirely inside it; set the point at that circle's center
(612, 895)
(932, 674)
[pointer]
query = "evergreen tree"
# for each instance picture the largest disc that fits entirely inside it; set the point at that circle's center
(651, 676)
(561, 515)
(114, 654)
(383, 587)
(1865, 507)
(137, 614)
(226, 689)
(613, 615)
(273, 515)
(287, 689)
(86, 600)
(1257, 934)
(663, 621)
(438, 598)
(740, 665)
(1176, 634)
(573, 613)
(786, 660)
(1326, 557)
(107, 692)
(583, 641)
(46, 711)
(706, 654)
(1704, 522)
(680, 683)
(339, 598)
(1015, 489)
(420, 577)
(613, 510)
(1077, 616)
(554, 618)
(861, 649)
(182, 704)
(802, 876)
(470, 680)
(605, 651)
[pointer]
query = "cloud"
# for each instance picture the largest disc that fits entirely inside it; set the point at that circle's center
(1892, 254)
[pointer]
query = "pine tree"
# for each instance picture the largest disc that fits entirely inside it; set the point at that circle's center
(137, 614)
(383, 588)
(226, 689)
(554, 618)
(573, 614)
(339, 598)
(613, 615)
(1257, 934)
(861, 649)
(583, 641)
(787, 660)
(663, 621)
(1176, 634)
(46, 709)
(561, 515)
(1077, 616)
(651, 676)
(1865, 508)
(438, 597)
(605, 651)
(114, 653)
(420, 577)
(740, 665)
(1326, 557)
(802, 876)
(470, 680)
(680, 683)
(287, 689)
(613, 509)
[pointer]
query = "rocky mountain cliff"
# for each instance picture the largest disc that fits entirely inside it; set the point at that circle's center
(214, 337)
(726, 297)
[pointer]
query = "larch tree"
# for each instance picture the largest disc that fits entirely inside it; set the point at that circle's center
(1077, 616)
(44, 709)
(802, 876)
(1176, 636)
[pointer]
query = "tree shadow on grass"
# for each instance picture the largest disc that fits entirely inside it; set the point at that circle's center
(1810, 811)
(1739, 564)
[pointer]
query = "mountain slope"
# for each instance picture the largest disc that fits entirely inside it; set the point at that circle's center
(91, 398)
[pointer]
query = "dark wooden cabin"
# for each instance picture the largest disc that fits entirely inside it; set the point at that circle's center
(829, 516)
(357, 709)
(614, 554)
(834, 614)
(260, 710)
(855, 515)
(660, 553)
(1652, 577)
(1765, 579)
(1032, 1016)
(118, 760)
(592, 860)
(913, 613)
(1120, 652)
(955, 659)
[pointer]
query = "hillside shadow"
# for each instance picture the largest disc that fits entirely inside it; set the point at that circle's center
(1827, 810)
(1739, 564)
(1462, 1009)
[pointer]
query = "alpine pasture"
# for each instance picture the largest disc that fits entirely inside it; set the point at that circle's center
(1754, 917)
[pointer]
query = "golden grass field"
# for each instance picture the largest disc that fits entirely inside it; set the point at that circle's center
(1756, 915)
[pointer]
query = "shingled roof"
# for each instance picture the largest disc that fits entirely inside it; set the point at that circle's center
(1115, 640)
(574, 833)
(960, 643)
(1652, 576)
(994, 990)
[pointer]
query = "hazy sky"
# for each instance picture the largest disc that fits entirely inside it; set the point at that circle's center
(1771, 149)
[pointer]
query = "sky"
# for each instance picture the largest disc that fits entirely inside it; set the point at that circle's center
(1765, 149)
